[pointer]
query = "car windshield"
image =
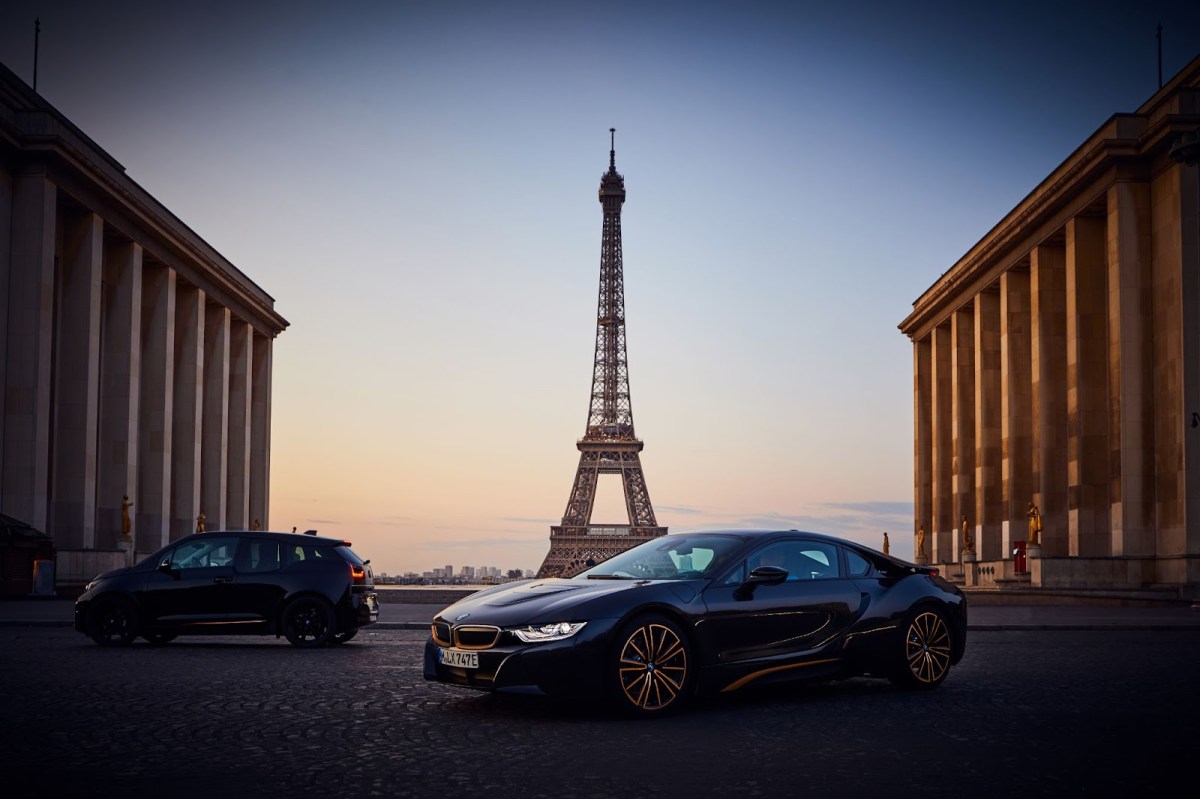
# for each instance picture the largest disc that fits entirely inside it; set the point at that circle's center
(673, 557)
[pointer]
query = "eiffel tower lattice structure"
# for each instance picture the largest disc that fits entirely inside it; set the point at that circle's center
(609, 445)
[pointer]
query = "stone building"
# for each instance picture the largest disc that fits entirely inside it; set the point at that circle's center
(1058, 363)
(135, 360)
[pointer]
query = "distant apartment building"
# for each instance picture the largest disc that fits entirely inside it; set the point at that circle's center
(135, 360)
(1056, 373)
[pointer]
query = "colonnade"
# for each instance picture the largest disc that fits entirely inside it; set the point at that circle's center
(1058, 364)
(136, 359)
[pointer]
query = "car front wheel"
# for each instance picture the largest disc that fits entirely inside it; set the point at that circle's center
(926, 650)
(652, 667)
(308, 622)
(113, 621)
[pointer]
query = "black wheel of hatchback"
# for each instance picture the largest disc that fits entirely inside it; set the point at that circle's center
(308, 622)
(113, 621)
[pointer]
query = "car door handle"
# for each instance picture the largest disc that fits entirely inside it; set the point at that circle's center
(222, 579)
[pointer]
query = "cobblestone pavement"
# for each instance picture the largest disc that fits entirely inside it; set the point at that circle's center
(1027, 713)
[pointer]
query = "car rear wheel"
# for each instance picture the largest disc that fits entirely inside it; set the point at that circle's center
(113, 621)
(652, 668)
(158, 639)
(926, 650)
(308, 622)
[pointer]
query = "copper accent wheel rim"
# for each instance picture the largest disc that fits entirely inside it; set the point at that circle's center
(653, 667)
(927, 647)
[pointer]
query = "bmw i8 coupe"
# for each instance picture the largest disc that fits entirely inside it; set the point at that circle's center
(707, 611)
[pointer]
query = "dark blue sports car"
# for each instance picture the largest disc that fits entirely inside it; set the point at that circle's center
(706, 611)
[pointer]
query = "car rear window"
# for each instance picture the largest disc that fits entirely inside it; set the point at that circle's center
(349, 555)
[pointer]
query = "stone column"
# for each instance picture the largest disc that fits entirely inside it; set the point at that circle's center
(1131, 420)
(962, 378)
(989, 477)
(1016, 406)
(1049, 367)
(923, 438)
(6, 211)
(240, 334)
(27, 409)
(120, 377)
(215, 440)
(940, 531)
(1087, 388)
(77, 385)
(153, 501)
(260, 431)
(188, 411)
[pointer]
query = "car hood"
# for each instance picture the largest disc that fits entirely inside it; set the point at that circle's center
(542, 601)
(112, 573)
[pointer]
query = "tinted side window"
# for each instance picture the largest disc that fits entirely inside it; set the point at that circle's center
(803, 560)
(204, 553)
(308, 553)
(856, 564)
(258, 556)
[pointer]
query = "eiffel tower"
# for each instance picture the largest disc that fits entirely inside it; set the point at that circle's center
(609, 445)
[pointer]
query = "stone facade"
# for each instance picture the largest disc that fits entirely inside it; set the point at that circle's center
(1058, 363)
(134, 359)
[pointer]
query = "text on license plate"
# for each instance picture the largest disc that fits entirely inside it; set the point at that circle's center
(458, 658)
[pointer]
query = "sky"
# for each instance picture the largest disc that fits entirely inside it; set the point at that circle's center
(415, 185)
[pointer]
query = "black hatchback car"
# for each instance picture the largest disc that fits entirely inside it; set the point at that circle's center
(311, 589)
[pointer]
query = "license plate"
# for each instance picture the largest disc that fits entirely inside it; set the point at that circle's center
(458, 658)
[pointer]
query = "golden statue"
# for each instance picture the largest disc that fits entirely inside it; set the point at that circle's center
(920, 540)
(126, 522)
(200, 522)
(966, 536)
(1035, 525)
(887, 547)
(256, 526)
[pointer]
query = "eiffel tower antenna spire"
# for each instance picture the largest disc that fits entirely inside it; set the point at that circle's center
(609, 444)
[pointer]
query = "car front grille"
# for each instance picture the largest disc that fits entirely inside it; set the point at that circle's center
(480, 636)
(441, 634)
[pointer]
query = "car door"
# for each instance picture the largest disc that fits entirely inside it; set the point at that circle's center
(193, 582)
(258, 589)
(794, 617)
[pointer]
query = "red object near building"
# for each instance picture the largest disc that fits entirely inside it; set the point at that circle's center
(1020, 561)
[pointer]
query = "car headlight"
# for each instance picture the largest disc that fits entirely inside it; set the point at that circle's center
(548, 632)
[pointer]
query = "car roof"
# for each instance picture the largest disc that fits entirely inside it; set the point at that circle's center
(298, 539)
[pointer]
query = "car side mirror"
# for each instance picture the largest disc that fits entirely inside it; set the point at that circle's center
(165, 567)
(762, 575)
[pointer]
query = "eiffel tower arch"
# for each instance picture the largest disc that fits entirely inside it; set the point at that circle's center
(609, 444)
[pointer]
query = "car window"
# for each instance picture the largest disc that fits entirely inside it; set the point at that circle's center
(672, 557)
(258, 556)
(856, 564)
(309, 552)
(803, 560)
(204, 553)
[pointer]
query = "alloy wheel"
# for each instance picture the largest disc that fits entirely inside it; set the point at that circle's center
(652, 667)
(927, 648)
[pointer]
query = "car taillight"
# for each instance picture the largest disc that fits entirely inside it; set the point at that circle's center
(358, 574)
(934, 573)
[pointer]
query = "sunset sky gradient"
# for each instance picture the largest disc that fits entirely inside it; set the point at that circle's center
(415, 185)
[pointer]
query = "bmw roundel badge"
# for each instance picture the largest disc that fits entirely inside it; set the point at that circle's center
(463, 616)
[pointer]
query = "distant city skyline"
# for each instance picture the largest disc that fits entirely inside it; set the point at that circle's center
(415, 186)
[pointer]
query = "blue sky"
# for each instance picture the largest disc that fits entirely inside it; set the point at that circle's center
(414, 183)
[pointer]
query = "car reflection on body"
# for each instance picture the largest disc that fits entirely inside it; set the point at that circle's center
(702, 612)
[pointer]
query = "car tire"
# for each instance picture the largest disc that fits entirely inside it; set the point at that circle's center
(159, 639)
(652, 672)
(308, 622)
(925, 650)
(113, 621)
(344, 636)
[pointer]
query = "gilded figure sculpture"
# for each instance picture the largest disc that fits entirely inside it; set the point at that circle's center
(257, 525)
(920, 541)
(1035, 525)
(967, 546)
(887, 547)
(126, 521)
(200, 522)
